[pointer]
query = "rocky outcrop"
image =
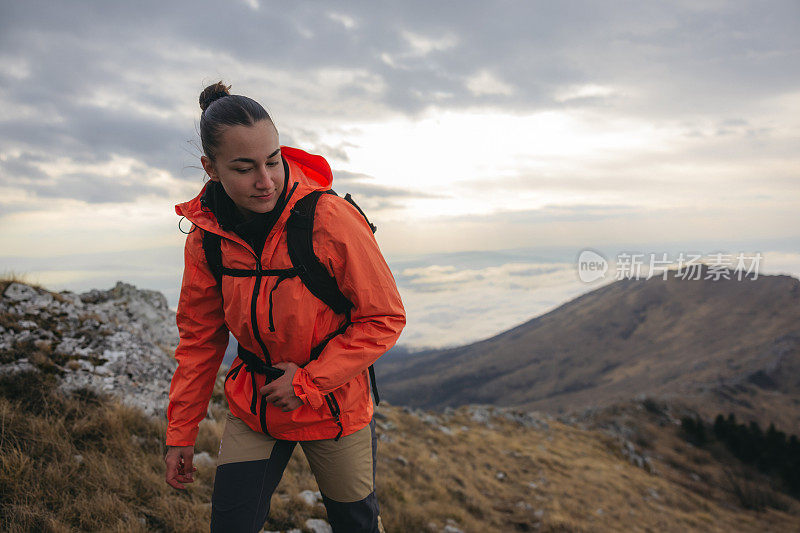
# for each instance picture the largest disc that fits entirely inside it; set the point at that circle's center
(120, 341)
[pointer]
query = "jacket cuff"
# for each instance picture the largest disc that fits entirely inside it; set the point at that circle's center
(305, 389)
(181, 437)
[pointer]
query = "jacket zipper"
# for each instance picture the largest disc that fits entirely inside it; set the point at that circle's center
(257, 288)
(262, 407)
(257, 334)
(253, 314)
(333, 405)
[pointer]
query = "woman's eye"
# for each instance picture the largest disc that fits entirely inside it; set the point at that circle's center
(272, 164)
(241, 170)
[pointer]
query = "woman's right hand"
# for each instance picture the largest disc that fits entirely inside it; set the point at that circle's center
(179, 465)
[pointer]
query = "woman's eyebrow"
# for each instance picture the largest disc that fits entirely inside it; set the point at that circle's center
(247, 160)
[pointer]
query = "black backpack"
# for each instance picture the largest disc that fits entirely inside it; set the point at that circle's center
(312, 273)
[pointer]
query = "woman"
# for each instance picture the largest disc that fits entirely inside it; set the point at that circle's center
(322, 400)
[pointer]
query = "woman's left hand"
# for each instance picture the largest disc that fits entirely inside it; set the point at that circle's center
(280, 391)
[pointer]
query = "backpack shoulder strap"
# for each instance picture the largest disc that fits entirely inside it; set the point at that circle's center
(299, 231)
(349, 198)
(212, 246)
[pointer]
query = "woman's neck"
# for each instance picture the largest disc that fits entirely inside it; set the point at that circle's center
(245, 214)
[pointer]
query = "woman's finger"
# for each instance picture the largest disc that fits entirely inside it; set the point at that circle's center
(173, 481)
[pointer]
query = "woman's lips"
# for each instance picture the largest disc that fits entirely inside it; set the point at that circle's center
(263, 196)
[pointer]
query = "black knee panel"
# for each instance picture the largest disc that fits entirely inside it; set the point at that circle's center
(242, 491)
(353, 517)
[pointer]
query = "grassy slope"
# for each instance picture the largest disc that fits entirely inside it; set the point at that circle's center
(87, 463)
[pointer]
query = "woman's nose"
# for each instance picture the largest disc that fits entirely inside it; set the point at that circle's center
(262, 178)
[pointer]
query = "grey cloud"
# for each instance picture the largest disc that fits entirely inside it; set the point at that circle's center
(358, 184)
(95, 188)
(371, 197)
(532, 46)
(685, 60)
(9, 208)
(555, 213)
(21, 166)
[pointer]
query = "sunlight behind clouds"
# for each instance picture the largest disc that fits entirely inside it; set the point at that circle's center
(461, 155)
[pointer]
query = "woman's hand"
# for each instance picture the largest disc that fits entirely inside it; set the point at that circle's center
(179, 465)
(280, 391)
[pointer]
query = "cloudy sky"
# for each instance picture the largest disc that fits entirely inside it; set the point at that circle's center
(491, 142)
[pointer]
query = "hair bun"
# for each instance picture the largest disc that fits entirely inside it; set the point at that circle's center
(212, 93)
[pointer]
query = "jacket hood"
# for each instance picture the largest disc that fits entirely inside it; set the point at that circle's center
(307, 172)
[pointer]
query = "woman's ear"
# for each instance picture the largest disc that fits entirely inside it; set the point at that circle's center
(208, 166)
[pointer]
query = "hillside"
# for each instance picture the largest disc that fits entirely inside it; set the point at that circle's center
(83, 382)
(722, 345)
(81, 461)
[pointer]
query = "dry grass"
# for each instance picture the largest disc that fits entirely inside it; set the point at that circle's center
(89, 464)
(9, 276)
(82, 463)
(561, 479)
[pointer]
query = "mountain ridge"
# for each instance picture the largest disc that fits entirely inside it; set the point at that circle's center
(724, 340)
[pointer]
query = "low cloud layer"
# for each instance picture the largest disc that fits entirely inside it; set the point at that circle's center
(450, 298)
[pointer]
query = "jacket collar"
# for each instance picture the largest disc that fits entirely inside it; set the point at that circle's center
(307, 172)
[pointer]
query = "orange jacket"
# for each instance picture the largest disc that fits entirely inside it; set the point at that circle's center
(344, 243)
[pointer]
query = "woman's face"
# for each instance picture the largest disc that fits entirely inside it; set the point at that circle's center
(249, 167)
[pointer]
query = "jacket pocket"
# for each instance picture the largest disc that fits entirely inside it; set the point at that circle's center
(234, 371)
(333, 406)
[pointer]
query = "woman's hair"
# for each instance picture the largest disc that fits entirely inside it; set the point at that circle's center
(222, 109)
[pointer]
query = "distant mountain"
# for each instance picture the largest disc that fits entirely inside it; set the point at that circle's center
(724, 345)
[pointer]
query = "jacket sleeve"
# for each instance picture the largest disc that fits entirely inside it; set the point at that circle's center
(344, 243)
(203, 340)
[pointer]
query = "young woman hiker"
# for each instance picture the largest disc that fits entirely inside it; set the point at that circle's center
(303, 369)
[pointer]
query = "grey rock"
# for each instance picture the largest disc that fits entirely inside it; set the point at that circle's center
(429, 419)
(452, 527)
(310, 497)
(653, 493)
(385, 426)
(479, 414)
(20, 365)
(19, 292)
(317, 525)
(119, 341)
(640, 460)
(528, 419)
(203, 459)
